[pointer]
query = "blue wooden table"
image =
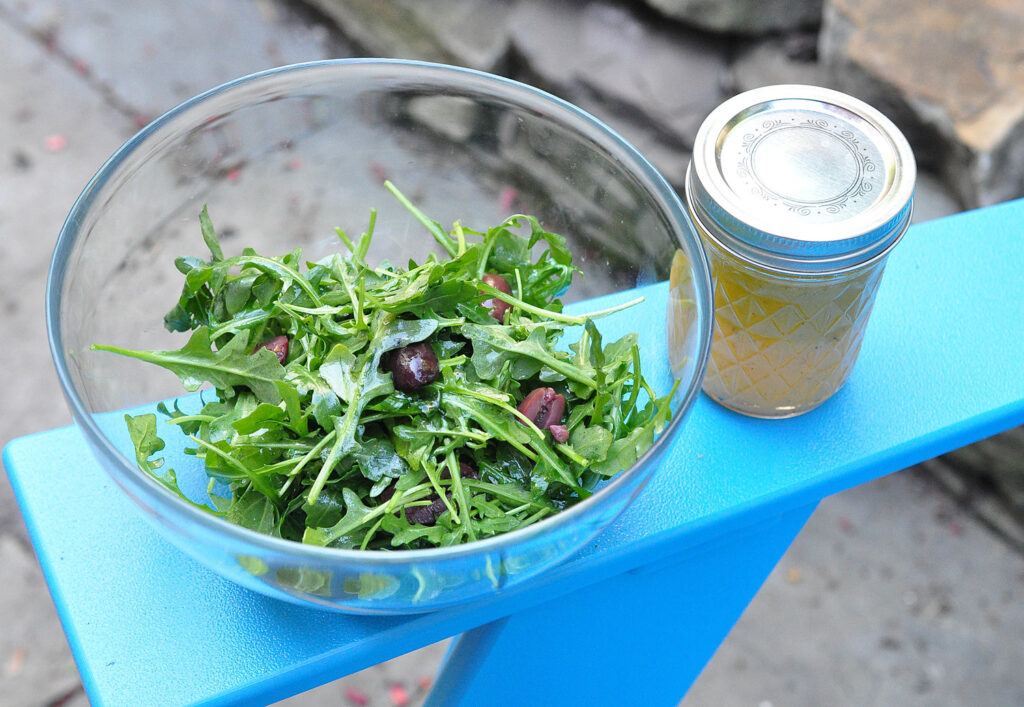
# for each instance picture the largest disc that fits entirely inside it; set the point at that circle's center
(632, 618)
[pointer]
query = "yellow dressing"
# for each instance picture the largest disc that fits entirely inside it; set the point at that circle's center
(783, 344)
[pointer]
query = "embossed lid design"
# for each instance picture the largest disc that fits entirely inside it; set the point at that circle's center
(801, 178)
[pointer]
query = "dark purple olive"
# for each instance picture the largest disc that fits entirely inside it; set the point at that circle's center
(543, 407)
(421, 515)
(412, 367)
(426, 515)
(388, 493)
(498, 307)
(465, 471)
(560, 433)
(279, 345)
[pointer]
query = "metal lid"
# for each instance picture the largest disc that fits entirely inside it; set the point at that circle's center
(801, 178)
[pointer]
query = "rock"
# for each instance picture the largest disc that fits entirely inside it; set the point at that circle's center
(666, 78)
(384, 29)
(453, 117)
(653, 84)
(742, 16)
(446, 31)
(775, 61)
(933, 199)
(997, 461)
(949, 73)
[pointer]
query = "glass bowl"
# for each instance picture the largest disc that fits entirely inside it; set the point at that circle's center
(283, 157)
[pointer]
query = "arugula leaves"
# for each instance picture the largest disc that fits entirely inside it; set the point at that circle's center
(319, 446)
(234, 364)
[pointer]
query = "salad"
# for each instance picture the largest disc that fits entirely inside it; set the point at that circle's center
(383, 407)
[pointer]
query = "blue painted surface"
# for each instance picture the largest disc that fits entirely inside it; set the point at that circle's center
(940, 367)
(639, 638)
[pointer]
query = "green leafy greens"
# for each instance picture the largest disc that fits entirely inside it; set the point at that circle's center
(322, 448)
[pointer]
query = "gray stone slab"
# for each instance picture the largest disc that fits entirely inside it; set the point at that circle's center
(410, 674)
(385, 29)
(949, 73)
(891, 595)
(51, 142)
(669, 78)
(36, 667)
(148, 58)
(742, 16)
(770, 62)
(447, 31)
(933, 199)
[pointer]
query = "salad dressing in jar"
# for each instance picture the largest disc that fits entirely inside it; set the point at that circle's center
(798, 194)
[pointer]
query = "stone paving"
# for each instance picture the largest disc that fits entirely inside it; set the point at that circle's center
(895, 592)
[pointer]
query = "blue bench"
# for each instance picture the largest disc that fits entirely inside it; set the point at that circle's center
(631, 619)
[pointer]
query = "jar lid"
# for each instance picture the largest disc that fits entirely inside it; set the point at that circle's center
(801, 178)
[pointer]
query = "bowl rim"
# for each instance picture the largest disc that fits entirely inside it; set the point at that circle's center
(567, 113)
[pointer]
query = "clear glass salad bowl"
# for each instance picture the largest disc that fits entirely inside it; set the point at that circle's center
(283, 157)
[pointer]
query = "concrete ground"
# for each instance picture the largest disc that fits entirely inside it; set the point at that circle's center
(894, 593)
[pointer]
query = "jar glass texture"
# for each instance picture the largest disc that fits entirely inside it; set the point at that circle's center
(784, 343)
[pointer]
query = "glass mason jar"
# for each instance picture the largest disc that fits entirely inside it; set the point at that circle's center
(798, 194)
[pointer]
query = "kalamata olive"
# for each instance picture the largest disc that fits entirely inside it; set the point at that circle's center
(426, 515)
(279, 345)
(465, 471)
(543, 407)
(560, 433)
(498, 307)
(421, 515)
(412, 367)
(388, 493)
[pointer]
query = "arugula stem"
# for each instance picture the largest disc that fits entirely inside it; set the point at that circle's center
(364, 240)
(268, 264)
(460, 494)
(538, 515)
(461, 236)
(182, 419)
(490, 425)
(312, 453)
(370, 533)
(556, 316)
(630, 405)
(452, 362)
(241, 322)
(255, 480)
(571, 454)
(325, 310)
(435, 480)
(332, 458)
(356, 307)
(296, 446)
(345, 239)
(435, 229)
(485, 251)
